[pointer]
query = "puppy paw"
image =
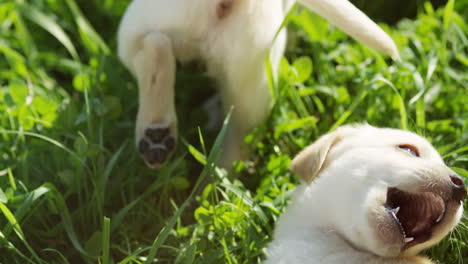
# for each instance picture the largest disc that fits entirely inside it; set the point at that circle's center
(156, 145)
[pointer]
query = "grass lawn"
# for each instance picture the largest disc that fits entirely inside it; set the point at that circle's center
(73, 189)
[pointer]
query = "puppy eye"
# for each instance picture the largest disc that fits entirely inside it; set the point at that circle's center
(410, 148)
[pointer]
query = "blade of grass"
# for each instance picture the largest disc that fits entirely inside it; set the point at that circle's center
(26, 206)
(271, 80)
(457, 151)
(226, 251)
(67, 222)
(63, 259)
(106, 240)
(401, 103)
(11, 179)
(446, 19)
(85, 28)
(358, 99)
(158, 183)
(49, 25)
(200, 157)
(110, 166)
(202, 141)
(421, 114)
(268, 67)
(448, 10)
(212, 159)
(49, 140)
(19, 232)
(133, 257)
(7, 244)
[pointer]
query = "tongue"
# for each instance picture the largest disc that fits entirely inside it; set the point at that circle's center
(419, 212)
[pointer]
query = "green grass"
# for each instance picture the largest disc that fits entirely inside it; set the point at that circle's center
(73, 189)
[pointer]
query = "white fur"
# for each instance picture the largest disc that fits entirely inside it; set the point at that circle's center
(335, 216)
(155, 33)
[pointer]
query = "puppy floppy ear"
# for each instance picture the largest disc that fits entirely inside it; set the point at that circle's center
(310, 161)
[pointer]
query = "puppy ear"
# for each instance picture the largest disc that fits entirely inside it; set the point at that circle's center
(308, 163)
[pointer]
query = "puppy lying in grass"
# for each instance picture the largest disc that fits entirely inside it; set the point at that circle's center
(370, 196)
(233, 38)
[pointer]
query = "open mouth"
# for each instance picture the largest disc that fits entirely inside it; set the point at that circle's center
(416, 214)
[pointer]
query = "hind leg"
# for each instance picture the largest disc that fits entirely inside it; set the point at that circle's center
(247, 91)
(250, 100)
(154, 65)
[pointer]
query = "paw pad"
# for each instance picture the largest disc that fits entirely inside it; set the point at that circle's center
(156, 145)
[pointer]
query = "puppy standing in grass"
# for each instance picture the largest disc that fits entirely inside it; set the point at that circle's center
(233, 38)
(370, 196)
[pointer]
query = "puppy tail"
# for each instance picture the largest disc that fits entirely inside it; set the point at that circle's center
(355, 23)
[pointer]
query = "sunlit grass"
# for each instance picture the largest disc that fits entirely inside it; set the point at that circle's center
(73, 189)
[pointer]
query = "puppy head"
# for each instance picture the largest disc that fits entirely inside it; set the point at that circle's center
(385, 191)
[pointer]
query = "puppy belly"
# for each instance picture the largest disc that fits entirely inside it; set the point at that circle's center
(186, 22)
(243, 33)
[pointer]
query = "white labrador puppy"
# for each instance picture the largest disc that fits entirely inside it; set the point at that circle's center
(233, 38)
(370, 196)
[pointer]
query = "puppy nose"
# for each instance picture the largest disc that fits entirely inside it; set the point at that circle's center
(458, 188)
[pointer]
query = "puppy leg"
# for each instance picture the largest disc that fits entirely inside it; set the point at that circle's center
(247, 91)
(251, 100)
(156, 125)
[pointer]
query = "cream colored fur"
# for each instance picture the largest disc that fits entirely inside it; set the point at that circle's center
(337, 215)
(233, 38)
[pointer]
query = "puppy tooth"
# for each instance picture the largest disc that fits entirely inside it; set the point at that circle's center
(396, 210)
(439, 218)
(408, 239)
